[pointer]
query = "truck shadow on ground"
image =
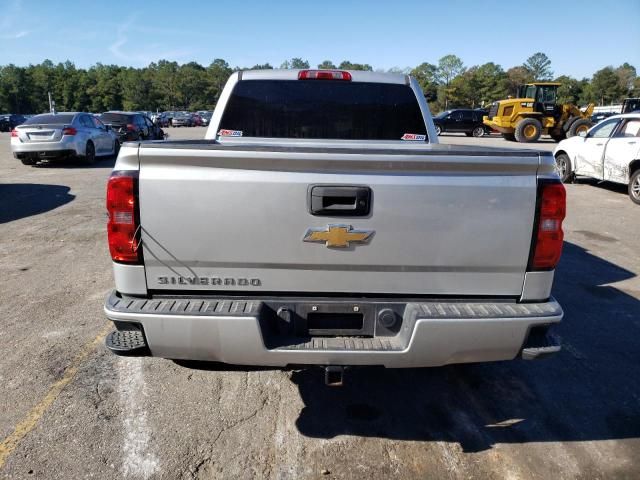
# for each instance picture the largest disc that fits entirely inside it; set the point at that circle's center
(20, 200)
(590, 391)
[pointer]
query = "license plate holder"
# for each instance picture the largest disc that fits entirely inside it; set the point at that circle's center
(336, 319)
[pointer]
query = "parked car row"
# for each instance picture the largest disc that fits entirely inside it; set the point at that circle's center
(132, 126)
(183, 119)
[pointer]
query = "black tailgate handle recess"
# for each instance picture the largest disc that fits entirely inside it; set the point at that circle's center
(339, 200)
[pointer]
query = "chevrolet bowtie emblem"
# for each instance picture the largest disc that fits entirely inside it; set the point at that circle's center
(337, 236)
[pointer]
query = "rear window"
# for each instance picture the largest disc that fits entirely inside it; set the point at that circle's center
(49, 119)
(116, 118)
(323, 109)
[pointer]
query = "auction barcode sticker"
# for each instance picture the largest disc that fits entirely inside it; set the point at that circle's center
(414, 137)
(230, 133)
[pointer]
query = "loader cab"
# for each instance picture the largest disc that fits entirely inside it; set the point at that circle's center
(630, 105)
(545, 96)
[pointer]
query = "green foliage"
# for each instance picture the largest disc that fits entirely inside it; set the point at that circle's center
(426, 75)
(347, 65)
(539, 66)
(327, 65)
(478, 86)
(626, 77)
(570, 91)
(606, 85)
(262, 66)
(15, 88)
(295, 63)
(449, 67)
(167, 85)
(636, 88)
(216, 76)
(517, 76)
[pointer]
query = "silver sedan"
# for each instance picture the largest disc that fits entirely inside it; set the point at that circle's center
(62, 135)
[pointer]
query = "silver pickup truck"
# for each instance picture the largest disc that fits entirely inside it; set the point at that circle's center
(320, 223)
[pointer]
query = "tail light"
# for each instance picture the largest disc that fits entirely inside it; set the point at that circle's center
(69, 131)
(124, 218)
(324, 75)
(548, 234)
(14, 133)
(131, 127)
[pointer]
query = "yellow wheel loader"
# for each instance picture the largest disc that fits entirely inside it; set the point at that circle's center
(535, 112)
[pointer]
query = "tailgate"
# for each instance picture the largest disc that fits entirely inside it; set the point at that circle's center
(441, 221)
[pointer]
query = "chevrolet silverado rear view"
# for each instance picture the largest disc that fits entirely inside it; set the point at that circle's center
(320, 223)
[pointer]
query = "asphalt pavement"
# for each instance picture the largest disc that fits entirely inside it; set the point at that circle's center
(70, 409)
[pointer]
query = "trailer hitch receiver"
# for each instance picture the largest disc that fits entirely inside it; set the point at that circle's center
(334, 376)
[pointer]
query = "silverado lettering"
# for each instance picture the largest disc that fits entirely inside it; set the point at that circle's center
(242, 282)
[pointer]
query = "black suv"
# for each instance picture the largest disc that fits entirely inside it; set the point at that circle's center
(10, 121)
(132, 126)
(464, 120)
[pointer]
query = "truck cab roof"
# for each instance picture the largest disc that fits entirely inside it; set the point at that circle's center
(291, 74)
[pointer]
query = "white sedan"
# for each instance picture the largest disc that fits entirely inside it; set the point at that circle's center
(61, 135)
(609, 151)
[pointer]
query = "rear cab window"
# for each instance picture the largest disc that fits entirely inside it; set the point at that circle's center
(323, 109)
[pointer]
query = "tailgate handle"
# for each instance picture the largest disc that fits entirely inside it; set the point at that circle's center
(339, 200)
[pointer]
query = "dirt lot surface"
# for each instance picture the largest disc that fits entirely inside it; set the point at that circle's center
(70, 409)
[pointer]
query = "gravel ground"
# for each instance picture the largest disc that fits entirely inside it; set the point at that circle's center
(70, 409)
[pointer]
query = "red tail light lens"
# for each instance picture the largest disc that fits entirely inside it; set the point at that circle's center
(14, 133)
(324, 75)
(549, 235)
(69, 131)
(123, 224)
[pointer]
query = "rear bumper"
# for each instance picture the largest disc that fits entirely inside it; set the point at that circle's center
(66, 146)
(240, 331)
(44, 153)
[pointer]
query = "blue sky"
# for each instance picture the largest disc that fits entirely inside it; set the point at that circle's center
(580, 37)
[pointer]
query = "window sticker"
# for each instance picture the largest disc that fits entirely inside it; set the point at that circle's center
(230, 133)
(413, 137)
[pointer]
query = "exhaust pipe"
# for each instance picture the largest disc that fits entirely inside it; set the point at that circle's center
(334, 376)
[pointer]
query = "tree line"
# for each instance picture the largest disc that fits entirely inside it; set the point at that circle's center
(166, 85)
